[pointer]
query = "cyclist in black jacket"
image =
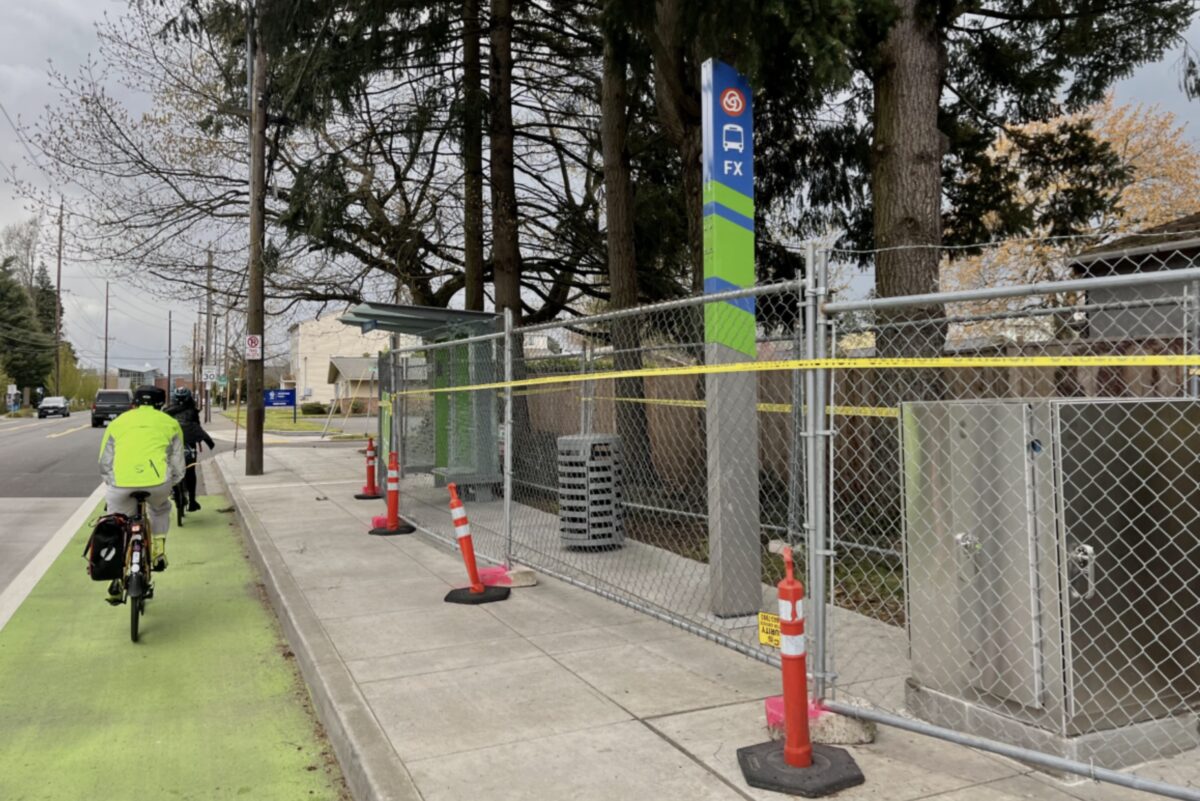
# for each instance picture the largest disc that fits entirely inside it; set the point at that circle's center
(183, 409)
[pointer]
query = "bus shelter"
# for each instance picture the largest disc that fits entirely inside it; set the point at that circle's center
(452, 435)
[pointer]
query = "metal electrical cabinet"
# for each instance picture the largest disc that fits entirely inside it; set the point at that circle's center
(1053, 572)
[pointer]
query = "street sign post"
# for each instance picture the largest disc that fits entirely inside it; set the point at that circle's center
(280, 397)
(729, 337)
(254, 349)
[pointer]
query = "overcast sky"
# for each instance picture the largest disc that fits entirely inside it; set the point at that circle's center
(33, 32)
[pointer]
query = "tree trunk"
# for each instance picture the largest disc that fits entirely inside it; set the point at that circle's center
(506, 250)
(906, 187)
(506, 254)
(473, 100)
(630, 414)
(677, 99)
(906, 178)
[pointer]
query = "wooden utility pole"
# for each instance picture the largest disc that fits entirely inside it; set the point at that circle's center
(106, 335)
(255, 311)
(195, 352)
(170, 386)
(208, 338)
(198, 385)
(58, 309)
(225, 369)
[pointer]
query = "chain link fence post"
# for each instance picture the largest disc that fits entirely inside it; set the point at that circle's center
(507, 344)
(813, 599)
(1193, 337)
(399, 407)
(819, 556)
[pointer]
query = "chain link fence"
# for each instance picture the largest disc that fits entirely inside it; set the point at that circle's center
(994, 492)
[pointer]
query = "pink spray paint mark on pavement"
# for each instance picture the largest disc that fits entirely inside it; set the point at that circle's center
(495, 576)
(774, 710)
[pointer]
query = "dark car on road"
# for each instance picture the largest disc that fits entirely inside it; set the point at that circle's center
(54, 405)
(109, 404)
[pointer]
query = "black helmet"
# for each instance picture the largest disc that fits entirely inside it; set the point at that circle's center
(182, 395)
(147, 395)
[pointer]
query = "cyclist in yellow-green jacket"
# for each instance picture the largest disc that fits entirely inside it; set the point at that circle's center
(143, 450)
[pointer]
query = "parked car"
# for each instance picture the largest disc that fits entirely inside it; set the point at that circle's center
(109, 403)
(54, 405)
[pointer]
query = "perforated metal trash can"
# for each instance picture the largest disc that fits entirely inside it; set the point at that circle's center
(589, 491)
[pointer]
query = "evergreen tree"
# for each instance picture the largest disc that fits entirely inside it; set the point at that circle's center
(26, 353)
(937, 80)
(44, 299)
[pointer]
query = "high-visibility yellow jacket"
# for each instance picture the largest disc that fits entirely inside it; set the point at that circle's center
(142, 448)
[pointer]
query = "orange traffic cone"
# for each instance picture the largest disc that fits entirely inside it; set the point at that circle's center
(478, 592)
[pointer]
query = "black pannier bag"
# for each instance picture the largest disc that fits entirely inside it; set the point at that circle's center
(105, 549)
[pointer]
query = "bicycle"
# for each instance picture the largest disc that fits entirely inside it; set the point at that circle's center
(190, 457)
(136, 586)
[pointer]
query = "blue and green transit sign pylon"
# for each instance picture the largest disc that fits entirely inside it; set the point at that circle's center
(731, 399)
(727, 125)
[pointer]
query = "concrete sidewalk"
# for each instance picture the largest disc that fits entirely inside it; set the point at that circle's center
(555, 693)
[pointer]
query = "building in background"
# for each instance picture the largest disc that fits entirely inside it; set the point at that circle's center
(355, 382)
(1125, 315)
(313, 343)
(132, 377)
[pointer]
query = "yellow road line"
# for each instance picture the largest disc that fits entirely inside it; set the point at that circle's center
(68, 431)
(19, 428)
(910, 363)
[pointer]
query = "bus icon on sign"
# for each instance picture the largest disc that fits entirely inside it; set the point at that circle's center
(733, 138)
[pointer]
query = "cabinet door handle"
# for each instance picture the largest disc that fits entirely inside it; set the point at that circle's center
(967, 541)
(1084, 559)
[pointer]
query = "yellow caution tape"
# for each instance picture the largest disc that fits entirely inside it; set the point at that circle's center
(768, 408)
(539, 392)
(908, 363)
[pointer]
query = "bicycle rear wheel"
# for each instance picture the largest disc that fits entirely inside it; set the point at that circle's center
(137, 598)
(180, 503)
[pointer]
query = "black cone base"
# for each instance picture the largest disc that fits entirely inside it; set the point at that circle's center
(463, 595)
(402, 528)
(832, 769)
(366, 496)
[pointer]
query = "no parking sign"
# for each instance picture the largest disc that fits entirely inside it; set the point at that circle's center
(253, 348)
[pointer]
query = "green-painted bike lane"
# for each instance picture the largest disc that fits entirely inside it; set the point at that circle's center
(208, 705)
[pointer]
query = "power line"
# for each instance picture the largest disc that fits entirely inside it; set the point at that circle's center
(21, 139)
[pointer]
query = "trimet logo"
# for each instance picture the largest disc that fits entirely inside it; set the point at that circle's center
(733, 102)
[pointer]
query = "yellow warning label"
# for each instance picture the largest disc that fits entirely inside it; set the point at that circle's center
(768, 629)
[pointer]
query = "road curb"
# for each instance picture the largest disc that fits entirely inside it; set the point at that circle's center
(373, 770)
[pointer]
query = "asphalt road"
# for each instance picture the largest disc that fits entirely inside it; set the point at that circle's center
(47, 468)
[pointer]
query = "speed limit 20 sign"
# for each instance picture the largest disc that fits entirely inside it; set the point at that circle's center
(253, 348)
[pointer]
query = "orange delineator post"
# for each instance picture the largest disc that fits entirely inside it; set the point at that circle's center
(392, 524)
(462, 531)
(797, 749)
(796, 766)
(477, 593)
(370, 491)
(393, 492)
